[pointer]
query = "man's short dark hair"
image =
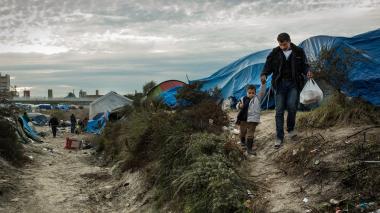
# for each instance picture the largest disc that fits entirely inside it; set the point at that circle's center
(282, 37)
(251, 86)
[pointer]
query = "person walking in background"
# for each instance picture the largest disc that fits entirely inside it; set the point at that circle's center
(53, 123)
(26, 117)
(73, 121)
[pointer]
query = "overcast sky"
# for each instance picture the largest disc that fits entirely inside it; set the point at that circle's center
(121, 44)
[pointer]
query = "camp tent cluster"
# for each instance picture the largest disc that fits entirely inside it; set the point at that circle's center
(101, 108)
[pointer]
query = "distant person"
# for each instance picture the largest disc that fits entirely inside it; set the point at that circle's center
(85, 122)
(53, 123)
(288, 64)
(26, 117)
(249, 116)
(73, 122)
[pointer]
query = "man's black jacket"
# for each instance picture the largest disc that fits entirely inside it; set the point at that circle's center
(299, 66)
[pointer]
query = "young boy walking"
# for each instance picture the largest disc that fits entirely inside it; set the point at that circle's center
(249, 116)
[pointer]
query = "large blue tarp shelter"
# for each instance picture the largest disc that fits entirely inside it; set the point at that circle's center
(364, 76)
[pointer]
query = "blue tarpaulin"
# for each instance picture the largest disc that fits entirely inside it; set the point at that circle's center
(364, 77)
(28, 130)
(97, 124)
(169, 97)
(45, 106)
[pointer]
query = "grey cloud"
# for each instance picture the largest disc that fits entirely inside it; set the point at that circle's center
(122, 44)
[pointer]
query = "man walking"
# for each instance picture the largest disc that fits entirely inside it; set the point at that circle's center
(288, 64)
(73, 121)
(53, 123)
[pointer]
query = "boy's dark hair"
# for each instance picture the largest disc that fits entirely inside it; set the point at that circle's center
(282, 37)
(251, 86)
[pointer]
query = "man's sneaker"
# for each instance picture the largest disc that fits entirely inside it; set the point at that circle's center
(277, 143)
(241, 144)
(292, 134)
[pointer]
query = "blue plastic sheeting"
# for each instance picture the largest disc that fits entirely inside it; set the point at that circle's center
(45, 106)
(40, 120)
(97, 124)
(169, 97)
(364, 77)
(63, 107)
(28, 130)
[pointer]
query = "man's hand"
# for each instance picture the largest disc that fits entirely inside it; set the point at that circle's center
(263, 79)
(241, 105)
(309, 74)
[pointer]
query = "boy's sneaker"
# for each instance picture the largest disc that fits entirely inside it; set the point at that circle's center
(292, 134)
(277, 143)
(252, 152)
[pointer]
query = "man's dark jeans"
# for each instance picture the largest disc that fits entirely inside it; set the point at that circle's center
(286, 97)
(54, 130)
(73, 127)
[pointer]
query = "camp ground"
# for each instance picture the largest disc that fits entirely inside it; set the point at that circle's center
(190, 106)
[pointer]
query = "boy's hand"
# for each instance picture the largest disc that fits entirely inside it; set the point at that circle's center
(241, 105)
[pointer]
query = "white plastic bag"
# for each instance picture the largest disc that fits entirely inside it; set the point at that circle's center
(311, 93)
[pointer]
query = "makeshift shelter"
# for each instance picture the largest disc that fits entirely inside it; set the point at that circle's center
(108, 102)
(97, 124)
(166, 92)
(28, 130)
(39, 119)
(364, 77)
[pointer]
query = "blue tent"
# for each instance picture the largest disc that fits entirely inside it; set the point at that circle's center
(169, 97)
(97, 124)
(364, 76)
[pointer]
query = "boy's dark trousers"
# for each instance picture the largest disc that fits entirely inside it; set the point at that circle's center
(247, 134)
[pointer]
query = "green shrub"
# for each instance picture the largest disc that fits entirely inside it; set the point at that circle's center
(197, 170)
(190, 164)
(10, 148)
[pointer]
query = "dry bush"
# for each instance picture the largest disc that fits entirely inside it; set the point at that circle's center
(10, 148)
(339, 110)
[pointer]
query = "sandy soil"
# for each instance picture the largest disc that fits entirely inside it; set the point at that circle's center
(60, 180)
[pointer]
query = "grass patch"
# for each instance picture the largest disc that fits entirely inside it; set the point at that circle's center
(339, 110)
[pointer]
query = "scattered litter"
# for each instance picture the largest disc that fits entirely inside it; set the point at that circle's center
(15, 199)
(334, 202)
(314, 150)
(30, 157)
(210, 121)
(235, 131)
(250, 194)
(305, 200)
(225, 128)
(109, 196)
(316, 162)
(363, 205)
(72, 143)
(295, 151)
